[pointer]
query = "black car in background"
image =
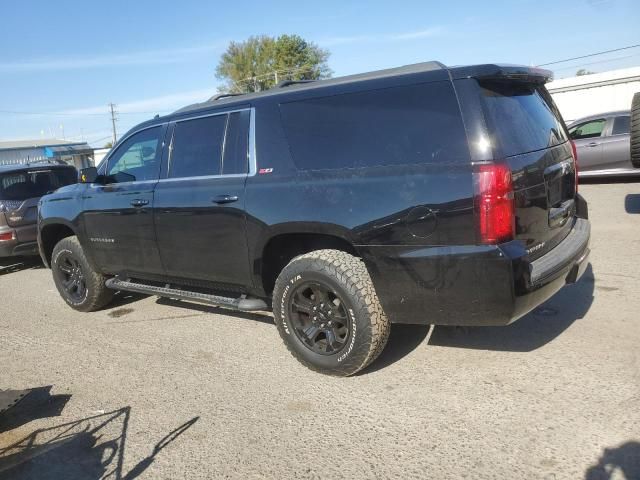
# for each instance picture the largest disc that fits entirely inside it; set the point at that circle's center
(422, 194)
(21, 187)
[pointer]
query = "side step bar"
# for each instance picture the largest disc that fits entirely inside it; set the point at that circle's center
(244, 304)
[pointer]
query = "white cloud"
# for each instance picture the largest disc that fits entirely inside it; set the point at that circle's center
(160, 104)
(146, 57)
(391, 37)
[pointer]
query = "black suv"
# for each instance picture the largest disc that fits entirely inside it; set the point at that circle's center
(21, 187)
(421, 194)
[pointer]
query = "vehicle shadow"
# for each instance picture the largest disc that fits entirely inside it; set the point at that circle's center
(37, 403)
(609, 180)
(17, 264)
(632, 203)
(199, 307)
(403, 340)
(624, 459)
(90, 448)
(532, 331)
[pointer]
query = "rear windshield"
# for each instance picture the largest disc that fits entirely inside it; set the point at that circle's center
(521, 117)
(25, 184)
(392, 126)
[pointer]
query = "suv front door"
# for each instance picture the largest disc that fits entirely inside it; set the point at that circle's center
(199, 207)
(588, 139)
(117, 215)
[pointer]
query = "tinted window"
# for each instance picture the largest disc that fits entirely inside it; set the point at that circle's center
(197, 147)
(392, 126)
(590, 129)
(137, 159)
(34, 183)
(521, 117)
(621, 125)
(236, 145)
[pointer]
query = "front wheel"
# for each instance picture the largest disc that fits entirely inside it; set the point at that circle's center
(328, 314)
(77, 282)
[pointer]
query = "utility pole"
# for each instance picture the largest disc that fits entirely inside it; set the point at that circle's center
(113, 121)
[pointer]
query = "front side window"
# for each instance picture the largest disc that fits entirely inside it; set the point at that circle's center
(590, 129)
(196, 148)
(621, 125)
(137, 159)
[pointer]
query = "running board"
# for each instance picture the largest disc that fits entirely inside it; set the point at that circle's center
(243, 304)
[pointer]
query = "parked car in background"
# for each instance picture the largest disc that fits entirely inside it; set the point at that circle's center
(422, 194)
(603, 144)
(21, 187)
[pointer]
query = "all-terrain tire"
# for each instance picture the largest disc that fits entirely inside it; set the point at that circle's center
(68, 255)
(635, 130)
(348, 277)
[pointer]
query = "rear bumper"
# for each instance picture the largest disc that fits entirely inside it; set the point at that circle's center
(474, 284)
(24, 242)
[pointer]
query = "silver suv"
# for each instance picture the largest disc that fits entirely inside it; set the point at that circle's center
(603, 144)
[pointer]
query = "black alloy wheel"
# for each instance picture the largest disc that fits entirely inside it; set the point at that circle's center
(72, 276)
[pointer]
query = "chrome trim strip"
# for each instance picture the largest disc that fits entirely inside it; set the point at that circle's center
(213, 114)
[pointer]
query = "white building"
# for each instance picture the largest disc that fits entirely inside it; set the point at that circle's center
(585, 95)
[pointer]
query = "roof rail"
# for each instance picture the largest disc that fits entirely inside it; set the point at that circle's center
(224, 95)
(286, 83)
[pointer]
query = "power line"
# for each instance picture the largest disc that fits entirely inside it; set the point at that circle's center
(587, 56)
(79, 114)
(608, 60)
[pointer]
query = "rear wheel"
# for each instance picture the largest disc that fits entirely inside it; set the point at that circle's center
(328, 313)
(635, 130)
(77, 282)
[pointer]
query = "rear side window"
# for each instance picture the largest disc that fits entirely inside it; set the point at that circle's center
(621, 125)
(393, 126)
(34, 183)
(236, 145)
(197, 147)
(521, 117)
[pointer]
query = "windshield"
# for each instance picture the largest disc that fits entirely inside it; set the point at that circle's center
(24, 184)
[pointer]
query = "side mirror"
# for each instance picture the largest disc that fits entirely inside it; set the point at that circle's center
(88, 175)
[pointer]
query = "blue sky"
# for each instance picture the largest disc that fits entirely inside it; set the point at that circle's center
(74, 57)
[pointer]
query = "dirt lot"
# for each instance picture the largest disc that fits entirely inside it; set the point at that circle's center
(157, 389)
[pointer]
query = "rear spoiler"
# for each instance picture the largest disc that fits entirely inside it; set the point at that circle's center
(502, 72)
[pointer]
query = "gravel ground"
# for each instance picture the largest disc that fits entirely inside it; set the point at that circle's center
(159, 389)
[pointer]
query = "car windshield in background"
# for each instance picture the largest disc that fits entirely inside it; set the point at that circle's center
(521, 117)
(25, 184)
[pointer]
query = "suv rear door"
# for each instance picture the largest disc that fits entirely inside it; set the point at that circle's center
(616, 151)
(199, 204)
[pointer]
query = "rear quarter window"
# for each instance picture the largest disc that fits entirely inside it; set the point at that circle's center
(392, 126)
(521, 117)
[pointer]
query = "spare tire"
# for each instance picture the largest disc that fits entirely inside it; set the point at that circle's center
(635, 130)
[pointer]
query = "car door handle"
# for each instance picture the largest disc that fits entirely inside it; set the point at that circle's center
(138, 202)
(220, 199)
(593, 144)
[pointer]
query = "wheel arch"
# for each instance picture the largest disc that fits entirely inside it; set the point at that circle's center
(280, 248)
(50, 234)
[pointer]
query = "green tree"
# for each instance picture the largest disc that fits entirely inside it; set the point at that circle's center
(108, 145)
(582, 72)
(260, 62)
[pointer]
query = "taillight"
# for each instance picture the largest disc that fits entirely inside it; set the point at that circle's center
(7, 236)
(495, 204)
(574, 151)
